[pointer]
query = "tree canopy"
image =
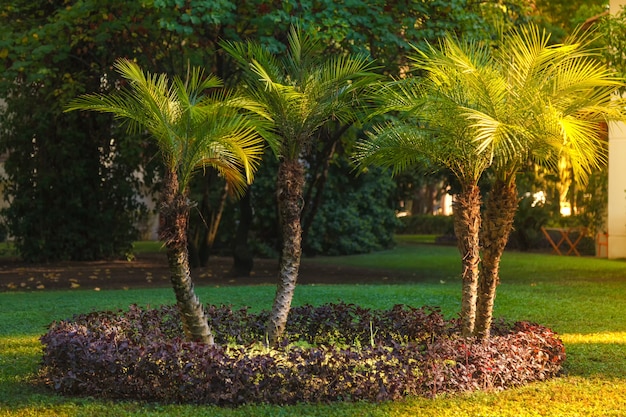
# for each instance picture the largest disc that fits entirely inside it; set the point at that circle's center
(82, 171)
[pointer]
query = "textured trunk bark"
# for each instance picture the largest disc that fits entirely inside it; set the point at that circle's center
(290, 184)
(466, 227)
(174, 211)
(498, 218)
(195, 321)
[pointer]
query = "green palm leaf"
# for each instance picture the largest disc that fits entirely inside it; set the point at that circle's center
(192, 128)
(300, 91)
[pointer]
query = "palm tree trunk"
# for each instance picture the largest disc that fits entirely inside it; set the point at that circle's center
(500, 211)
(174, 217)
(466, 227)
(290, 185)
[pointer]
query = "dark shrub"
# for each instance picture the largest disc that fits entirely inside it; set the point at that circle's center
(334, 352)
(426, 224)
(529, 219)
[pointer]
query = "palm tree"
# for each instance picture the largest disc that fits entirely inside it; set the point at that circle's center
(432, 130)
(549, 106)
(503, 106)
(299, 93)
(192, 129)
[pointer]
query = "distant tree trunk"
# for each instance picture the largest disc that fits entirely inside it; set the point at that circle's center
(213, 226)
(290, 184)
(174, 211)
(314, 194)
(500, 209)
(242, 256)
(319, 172)
(466, 227)
(202, 236)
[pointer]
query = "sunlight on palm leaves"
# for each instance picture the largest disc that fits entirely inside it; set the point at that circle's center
(191, 128)
(300, 91)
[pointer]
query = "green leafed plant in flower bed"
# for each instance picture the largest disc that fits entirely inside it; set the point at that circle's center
(334, 352)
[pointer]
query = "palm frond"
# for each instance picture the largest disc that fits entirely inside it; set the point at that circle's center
(228, 143)
(302, 90)
(395, 147)
(190, 122)
(528, 98)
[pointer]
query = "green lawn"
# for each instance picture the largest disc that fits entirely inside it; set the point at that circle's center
(583, 299)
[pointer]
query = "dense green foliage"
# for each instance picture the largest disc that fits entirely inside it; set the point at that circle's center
(426, 224)
(52, 51)
(69, 177)
(355, 213)
(358, 219)
(381, 28)
(562, 17)
(79, 201)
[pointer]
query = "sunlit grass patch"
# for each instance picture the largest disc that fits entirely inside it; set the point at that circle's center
(19, 358)
(594, 338)
(15, 353)
(562, 397)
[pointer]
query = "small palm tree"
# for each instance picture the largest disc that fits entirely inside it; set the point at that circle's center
(298, 93)
(432, 130)
(194, 127)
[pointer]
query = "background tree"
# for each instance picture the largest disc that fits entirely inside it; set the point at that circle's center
(192, 130)
(69, 178)
(612, 29)
(56, 52)
(299, 94)
(382, 29)
(561, 17)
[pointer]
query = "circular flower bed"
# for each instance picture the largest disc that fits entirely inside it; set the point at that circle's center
(333, 352)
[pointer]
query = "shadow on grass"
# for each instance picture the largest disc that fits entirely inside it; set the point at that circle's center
(596, 360)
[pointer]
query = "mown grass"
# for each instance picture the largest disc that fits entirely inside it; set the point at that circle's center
(583, 299)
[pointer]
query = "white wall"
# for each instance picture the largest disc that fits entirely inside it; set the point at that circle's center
(617, 191)
(617, 179)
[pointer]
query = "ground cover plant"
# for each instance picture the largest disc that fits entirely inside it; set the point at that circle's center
(332, 352)
(580, 298)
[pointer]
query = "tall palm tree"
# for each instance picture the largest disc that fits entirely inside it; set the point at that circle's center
(194, 126)
(523, 99)
(298, 92)
(550, 106)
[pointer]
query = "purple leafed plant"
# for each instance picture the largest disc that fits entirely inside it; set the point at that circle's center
(332, 352)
